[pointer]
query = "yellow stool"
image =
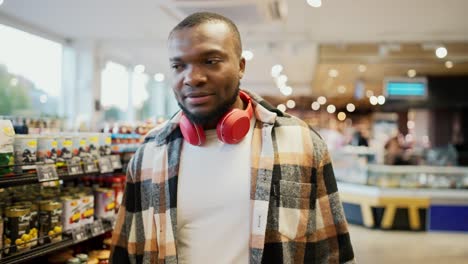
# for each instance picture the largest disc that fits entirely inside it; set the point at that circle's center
(411, 203)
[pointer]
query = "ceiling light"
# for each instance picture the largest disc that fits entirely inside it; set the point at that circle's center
(322, 100)
(362, 68)
(373, 100)
(331, 109)
(333, 73)
(159, 77)
(369, 93)
(247, 54)
(282, 78)
(350, 107)
(281, 107)
(441, 52)
(287, 90)
(1, 2)
(291, 104)
(139, 68)
(449, 64)
(276, 70)
(411, 73)
(381, 100)
(341, 89)
(281, 86)
(314, 3)
(341, 116)
(315, 106)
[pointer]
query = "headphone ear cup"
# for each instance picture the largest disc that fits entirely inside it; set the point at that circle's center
(193, 133)
(233, 126)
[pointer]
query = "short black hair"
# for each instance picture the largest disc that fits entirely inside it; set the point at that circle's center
(199, 18)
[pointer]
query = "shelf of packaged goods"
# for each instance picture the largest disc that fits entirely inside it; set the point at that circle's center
(31, 177)
(37, 252)
(67, 241)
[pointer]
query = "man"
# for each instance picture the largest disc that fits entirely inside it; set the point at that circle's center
(229, 179)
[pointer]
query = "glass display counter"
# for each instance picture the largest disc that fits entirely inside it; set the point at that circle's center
(417, 177)
(420, 198)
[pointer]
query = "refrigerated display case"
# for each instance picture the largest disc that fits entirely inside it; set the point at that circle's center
(424, 198)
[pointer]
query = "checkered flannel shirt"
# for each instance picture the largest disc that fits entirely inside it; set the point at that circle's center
(296, 213)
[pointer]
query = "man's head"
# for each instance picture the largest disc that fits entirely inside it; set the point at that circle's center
(205, 55)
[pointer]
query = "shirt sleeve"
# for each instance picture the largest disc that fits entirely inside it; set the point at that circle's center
(123, 247)
(330, 210)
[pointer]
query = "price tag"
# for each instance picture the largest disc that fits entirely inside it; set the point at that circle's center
(46, 172)
(90, 166)
(105, 165)
(74, 167)
(80, 234)
(116, 162)
(108, 223)
(96, 228)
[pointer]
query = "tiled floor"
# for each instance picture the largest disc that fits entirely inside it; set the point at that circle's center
(382, 247)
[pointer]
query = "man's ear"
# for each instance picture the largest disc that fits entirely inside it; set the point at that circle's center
(241, 67)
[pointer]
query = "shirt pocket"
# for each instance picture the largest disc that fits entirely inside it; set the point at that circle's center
(296, 208)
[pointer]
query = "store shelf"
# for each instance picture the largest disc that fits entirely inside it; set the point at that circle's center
(31, 177)
(67, 241)
(37, 252)
(15, 180)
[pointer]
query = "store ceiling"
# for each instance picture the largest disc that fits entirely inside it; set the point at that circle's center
(308, 42)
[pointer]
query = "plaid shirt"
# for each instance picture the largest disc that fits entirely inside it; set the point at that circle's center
(296, 213)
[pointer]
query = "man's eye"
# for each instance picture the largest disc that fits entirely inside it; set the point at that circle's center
(212, 61)
(177, 66)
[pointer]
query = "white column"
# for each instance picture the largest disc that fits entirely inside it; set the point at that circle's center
(130, 109)
(69, 92)
(158, 102)
(81, 85)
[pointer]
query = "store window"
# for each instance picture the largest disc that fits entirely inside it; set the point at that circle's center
(123, 87)
(30, 74)
(114, 91)
(140, 95)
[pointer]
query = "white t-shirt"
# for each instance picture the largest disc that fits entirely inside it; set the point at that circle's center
(213, 201)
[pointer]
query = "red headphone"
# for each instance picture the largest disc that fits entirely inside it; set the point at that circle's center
(231, 128)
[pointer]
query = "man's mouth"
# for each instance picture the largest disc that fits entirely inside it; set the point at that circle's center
(196, 99)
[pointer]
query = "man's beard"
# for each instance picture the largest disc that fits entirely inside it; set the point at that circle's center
(216, 114)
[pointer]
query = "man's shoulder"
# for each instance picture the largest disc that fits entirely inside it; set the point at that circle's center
(160, 132)
(293, 121)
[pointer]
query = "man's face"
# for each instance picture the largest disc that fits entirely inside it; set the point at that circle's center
(206, 70)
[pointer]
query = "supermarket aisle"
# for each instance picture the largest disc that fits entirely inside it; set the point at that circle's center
(376, 246)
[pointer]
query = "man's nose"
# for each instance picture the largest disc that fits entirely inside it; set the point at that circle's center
(194, 76)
